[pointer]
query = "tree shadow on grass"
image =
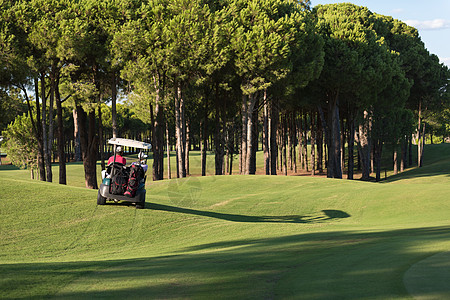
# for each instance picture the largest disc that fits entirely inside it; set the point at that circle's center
(324, 265)
(434, 170)
(431, 169)
(327, 215)
(335, 214)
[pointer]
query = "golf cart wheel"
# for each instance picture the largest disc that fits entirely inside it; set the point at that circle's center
(140, 205)
(100, 199)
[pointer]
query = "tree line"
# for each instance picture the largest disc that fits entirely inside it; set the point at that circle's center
(233, 74)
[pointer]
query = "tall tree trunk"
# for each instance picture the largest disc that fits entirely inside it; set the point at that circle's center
(113, 104)
(319, 143)
(265, 133)
(283, 144)
(294, 138)
(305, 142)
(81, 117)
(250, 134)
(157, 120)
(187, 148)
(176, 161)
(326, 131)
(334, 153)
(289, 141)
(218, 143)
(96, 133)
(180, 135)
(243, 148)
(89, 145)
(169, 171)
(422, 148)
(419, 139)
(410, 158)
(403, 149)
(280, 145)
(280, 141)
(90, 162)
(204, 138)
(47, 159)
(33, 126)
(378, 146)
(255, 134)
(343, 141)
(183, 128)
(364, 146)
(101, 137)
(227, 150)
(76, 136)
(351, 145)
(358, 153)
(313, 143)
(159, 138)
(395, 161)
(61, 140)
(219, 138)
(300, 133)
(372, 161)
(155, 150)
(273, 125)
(51, 120)
(41, 163)
(231, 151)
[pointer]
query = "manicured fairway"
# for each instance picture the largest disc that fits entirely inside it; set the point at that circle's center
(225, 237)
(429, 278)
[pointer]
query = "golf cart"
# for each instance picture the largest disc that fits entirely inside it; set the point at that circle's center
(106, 192)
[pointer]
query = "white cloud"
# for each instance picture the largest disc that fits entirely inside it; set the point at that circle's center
(436, 24)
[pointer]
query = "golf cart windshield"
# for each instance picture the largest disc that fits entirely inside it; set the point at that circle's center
(130, 143)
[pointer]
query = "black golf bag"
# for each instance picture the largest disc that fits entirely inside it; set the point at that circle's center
(119, 179)
(136, 175)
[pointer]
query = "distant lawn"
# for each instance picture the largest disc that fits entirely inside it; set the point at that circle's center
(225, 236)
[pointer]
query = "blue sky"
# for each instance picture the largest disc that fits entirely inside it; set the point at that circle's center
(431, 18)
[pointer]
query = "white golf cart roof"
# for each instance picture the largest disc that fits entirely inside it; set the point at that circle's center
(130, 143)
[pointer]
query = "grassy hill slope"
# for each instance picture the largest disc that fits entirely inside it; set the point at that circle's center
(225, 237)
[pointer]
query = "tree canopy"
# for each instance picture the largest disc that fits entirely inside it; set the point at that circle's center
(337, 75)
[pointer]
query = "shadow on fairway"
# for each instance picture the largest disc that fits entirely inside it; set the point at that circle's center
(436, 163)
(335, 214)
(327, 215)
(437, 169)
(306, 266)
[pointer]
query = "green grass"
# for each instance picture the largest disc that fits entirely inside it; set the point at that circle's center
(429, 277)
(225, 236)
